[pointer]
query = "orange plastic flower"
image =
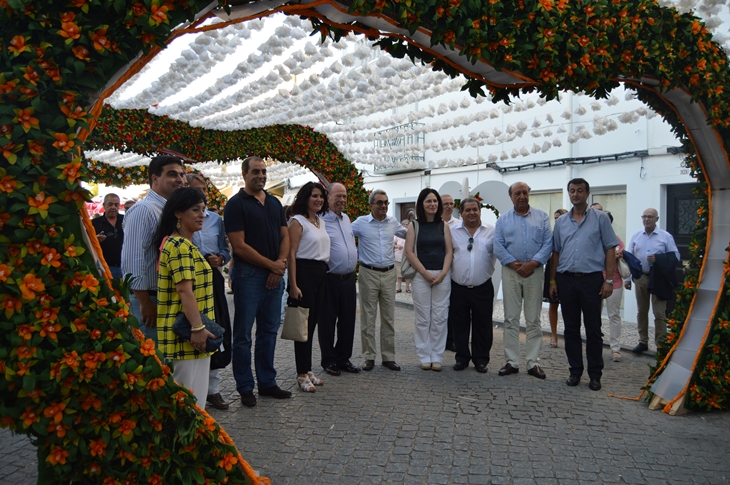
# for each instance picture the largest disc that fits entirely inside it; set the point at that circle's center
(55, 411)
(71, 360)
(47, 314)
(72, 170)
(50, 330)
(81, 52)
(127, 426)
(11, 305)
(29, 417)
(99, 39)
(80, 324)
(36, 148)
(26, 331)
(76, 113)
(57, 455)
(51, 256)
(158, 15)
(5, 271)
(147, 347)
(139, 9)
(26, 119)
(17, 45)
(25, 352)
(31, 285)
(40, 201)
(228, 461)
(155, 384)
(118, 357)
(69, 30)
(97, 447)
(90, 283)
(58, 428)
(63, 142)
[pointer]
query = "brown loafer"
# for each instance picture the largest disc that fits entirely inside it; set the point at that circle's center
(216, 400)
(391, 364)
(537, 372)
(368, 365)
(508, 369)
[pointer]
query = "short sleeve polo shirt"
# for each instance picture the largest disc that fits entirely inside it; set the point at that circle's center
(261, 223)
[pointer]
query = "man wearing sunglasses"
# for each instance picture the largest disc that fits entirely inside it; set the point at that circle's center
(377, 279)
(472, 292)
(523, 244)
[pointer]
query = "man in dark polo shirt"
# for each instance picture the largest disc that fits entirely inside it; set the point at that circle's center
(258, 234)
(110, 235)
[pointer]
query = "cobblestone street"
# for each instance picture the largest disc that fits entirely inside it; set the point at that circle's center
(424, 427)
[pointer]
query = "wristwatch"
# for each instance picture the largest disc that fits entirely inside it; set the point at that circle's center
(610, 282)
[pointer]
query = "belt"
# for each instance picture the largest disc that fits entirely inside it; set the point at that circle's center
(471, 287)
(373, 268)
(341, 277)
(579, 275)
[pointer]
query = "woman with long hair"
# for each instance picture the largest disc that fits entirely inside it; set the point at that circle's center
(430, 254)
(554, 303)
(309, 252)
(185, 285)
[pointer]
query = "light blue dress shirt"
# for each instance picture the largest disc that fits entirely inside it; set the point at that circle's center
(375, 239)
(139, 258)
(583, 246)
(212, 238)
(523, 238)
(343, 251)
(658, 242)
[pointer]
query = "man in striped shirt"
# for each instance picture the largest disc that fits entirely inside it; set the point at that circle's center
(139, 258)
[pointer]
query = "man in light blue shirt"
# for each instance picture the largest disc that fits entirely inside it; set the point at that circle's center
(583, 247)
(139, 257)
(340, 305)
(646, 245)
(375, 233)
(523, 244)
(211, 242)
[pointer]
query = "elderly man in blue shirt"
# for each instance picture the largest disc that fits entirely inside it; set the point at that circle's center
(646, 245)
(583, 244)
(523, 244)
(375, 233)
(340, 305)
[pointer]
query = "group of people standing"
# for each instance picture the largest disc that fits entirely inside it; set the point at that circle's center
(174, 246)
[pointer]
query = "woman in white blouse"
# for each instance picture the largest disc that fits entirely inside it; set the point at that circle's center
(309, 253)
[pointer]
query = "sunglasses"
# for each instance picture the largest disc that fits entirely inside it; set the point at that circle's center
(471, 244)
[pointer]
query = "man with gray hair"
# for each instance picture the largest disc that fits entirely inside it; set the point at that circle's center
(375, 232)
(110, 234)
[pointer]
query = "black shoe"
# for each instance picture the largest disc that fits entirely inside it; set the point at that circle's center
(217, 401)
(349, 367)
(573, 381)
(248, 399)
(451, 347)
(536, 371)
(391, 364)
(368, 365)
(508, 369)
(332, 370)
(460, 366)
(276, 392)
(642, 347)
(481, 368)
(594, 385)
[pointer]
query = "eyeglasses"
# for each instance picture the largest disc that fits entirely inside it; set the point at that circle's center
(471, 244)
(381, 202)
(648, 217)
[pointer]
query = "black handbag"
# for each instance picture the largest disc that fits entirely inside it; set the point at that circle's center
(181, 328)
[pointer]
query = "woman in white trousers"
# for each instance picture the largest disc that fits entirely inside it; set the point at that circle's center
(613, 303)
(430, 254)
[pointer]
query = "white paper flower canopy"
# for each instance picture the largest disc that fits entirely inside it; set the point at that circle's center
(351, 91)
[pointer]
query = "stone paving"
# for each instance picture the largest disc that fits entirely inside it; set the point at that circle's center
(424, 427)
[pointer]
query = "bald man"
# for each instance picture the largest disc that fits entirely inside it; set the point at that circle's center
(653, 246)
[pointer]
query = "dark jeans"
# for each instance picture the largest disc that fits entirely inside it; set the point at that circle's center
(582, 295)
(337, 317)
(470, 309)
(310, 280)
(254, 301)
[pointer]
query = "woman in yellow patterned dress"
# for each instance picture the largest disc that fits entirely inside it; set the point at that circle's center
(184, 285)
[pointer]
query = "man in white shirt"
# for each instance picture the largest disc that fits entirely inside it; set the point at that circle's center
(377, 279)
(472, 292)
(646, 245)
(448, 203)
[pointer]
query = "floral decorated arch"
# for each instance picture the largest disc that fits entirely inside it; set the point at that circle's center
(79, 379)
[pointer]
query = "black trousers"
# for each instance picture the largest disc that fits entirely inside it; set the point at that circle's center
(220, 359)
(337, 319)
(470, 309)
(310, 280)
(582, 295)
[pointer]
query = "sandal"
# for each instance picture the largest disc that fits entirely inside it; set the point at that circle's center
(399, 291)
(305, 384)
(554, 344)
(314, 379)
(408, 291)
